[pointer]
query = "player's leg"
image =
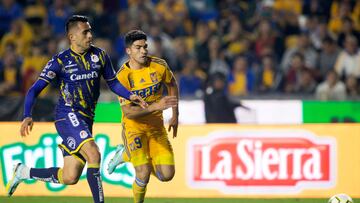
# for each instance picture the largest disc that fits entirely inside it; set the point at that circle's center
(68, 175)
(142, 176)
(75, 130)
(136, 149)
(164, 172)
(119, 158)
(90, 152)
(71, 172)
(122, 154)
(162, 155)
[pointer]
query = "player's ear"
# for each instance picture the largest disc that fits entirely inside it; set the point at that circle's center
(70, 36)
(128, 51)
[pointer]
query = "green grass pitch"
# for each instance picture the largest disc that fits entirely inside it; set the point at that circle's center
(154, 200)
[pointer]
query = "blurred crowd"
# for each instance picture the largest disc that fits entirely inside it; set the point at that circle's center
(306, 48)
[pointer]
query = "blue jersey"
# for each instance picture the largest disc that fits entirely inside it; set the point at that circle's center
(79, 79)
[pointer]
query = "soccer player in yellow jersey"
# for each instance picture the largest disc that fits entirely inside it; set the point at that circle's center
(146, 143)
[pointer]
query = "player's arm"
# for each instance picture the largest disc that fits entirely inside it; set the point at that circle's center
(49, 72)
(133, 112)
(173, 90)
(121, 91)
(34, 91)
(116, 87)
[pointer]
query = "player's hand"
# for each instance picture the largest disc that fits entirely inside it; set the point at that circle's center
(26, 126)
(173, 123)
(166, 102)
(138, 100)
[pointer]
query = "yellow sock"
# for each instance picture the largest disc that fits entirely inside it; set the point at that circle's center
(139, 193)
(60, 176)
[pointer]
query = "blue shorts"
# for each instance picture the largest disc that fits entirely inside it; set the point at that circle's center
(75, 130)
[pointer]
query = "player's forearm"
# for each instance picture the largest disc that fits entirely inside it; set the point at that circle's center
(173, 90)
(31, 95)
(134, 112)
(119, 89)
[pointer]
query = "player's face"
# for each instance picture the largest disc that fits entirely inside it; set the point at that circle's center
(81, 36)
(138, 51)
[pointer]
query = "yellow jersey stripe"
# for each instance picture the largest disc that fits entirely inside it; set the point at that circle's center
(44, 79)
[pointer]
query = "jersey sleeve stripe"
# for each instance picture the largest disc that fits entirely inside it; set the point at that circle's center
(40, 78)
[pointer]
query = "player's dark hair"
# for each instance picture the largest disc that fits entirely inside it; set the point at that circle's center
(73, 20)
(134, 35)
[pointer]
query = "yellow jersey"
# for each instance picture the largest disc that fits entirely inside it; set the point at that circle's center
(147, 82)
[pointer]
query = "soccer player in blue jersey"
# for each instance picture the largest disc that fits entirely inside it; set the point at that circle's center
(78, 70)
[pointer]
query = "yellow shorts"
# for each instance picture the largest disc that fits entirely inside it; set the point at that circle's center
(148, 146)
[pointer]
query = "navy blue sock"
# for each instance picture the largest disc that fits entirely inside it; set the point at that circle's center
(94, 180)
(45, 174)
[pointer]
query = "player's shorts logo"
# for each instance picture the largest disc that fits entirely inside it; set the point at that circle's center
(71, 142)
(73, 119)
(94, 58)
(83, 134)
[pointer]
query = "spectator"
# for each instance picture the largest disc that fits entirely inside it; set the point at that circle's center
(328, 56)
(173, 14)
(266, 37)
(316, 7)
(32, 66)
(10, 84)
(306, 84)
(241, 80)
(218, 107)
(305, 48)
(159, 51)
(20, 35)
(35, 14)
(235, 39)
(347, 28)
(51, 47)
(156, 31)
(339, 10)
(9, 11)
(292, 79)
(352, 88)
(217, 57)
(268, 79)
(182, 53)
(318, 34)
(331, 89)
(201, 45)
(216, 35)
(348, 61)
(58, 13)
(190, 79)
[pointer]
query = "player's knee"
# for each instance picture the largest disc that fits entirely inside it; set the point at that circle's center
(91, 152)
(143, 172)
(93, 156)
(167, 175)
(70, 179)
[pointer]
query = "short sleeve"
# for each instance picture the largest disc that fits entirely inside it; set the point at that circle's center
(51, 70)
(168, 75)
(109, 73)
